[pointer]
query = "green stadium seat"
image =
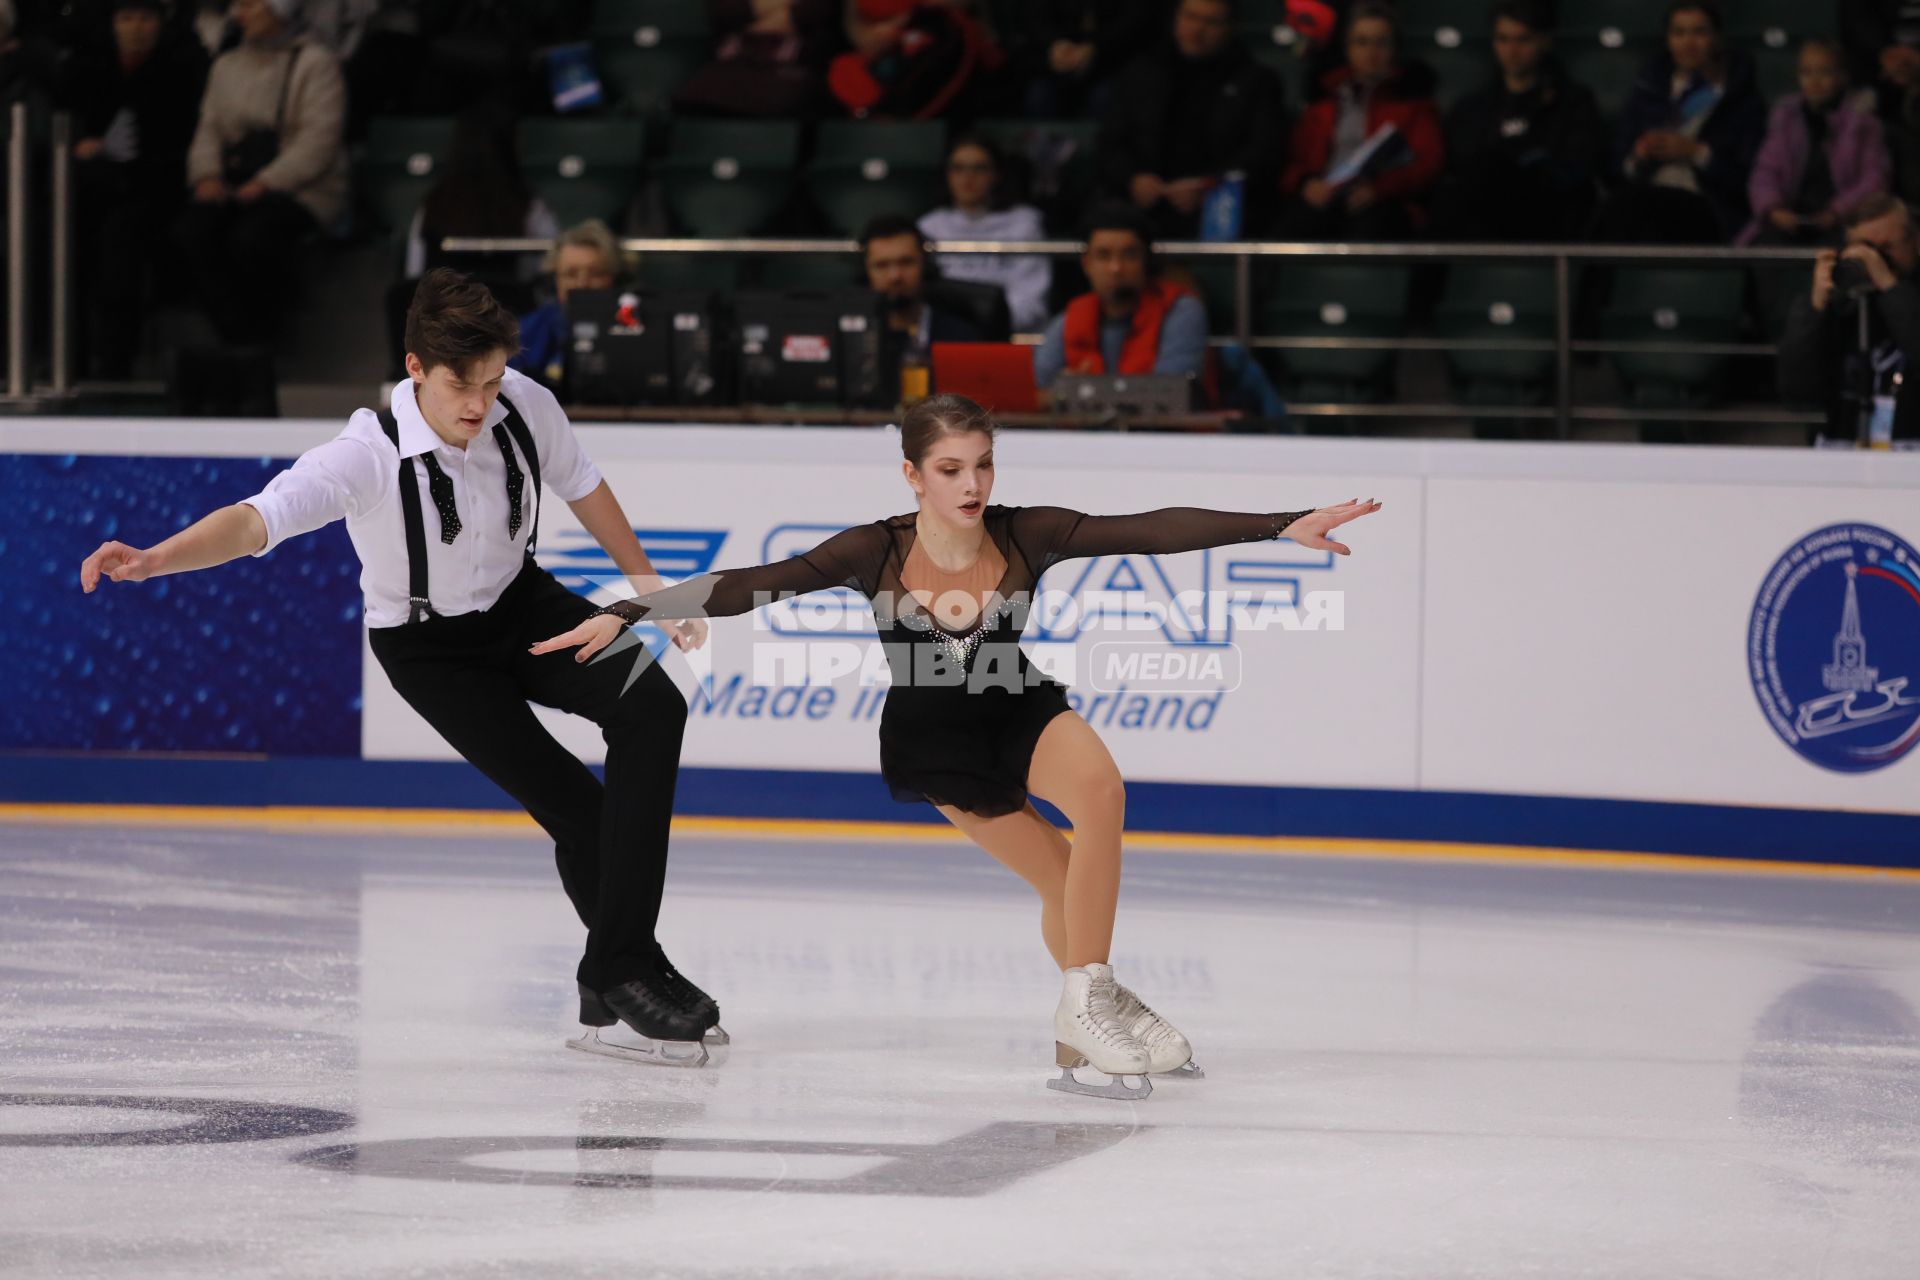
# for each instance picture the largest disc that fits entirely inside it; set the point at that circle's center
(1612, 24)
(1778, 25)
(643, 49)
(1507, 301)
(401, 160)
(861, 169)
(1335, 300)
(583, 168)
(1444, 24)
(1608, 72)
(1276, 45)
(729, 177)
(1673, 305)
(1459, 71)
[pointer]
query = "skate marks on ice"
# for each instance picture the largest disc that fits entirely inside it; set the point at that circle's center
(143, 1121)
(976, 1163)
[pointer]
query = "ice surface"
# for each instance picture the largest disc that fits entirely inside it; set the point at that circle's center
(318, 1054)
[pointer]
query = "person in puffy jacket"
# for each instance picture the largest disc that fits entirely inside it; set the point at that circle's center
(1327, 195)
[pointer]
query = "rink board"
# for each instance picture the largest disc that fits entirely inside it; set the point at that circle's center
(1531, 643)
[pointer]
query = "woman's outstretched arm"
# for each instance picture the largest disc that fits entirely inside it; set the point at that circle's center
(1056, 533)
(850, 558)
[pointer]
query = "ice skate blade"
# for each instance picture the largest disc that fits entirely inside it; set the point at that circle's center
(716, 1037)
(655, 1053)
(1116, 1087)
(1190, 1070)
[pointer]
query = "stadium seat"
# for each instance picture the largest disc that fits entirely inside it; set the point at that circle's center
(1499, 301)
(1609, 72)
(1443, 24)
(583, 168)
(861, 169)
(729, 177)
(1778, 25)
(1460, 70)
(1337, 300)
(1611, 24)
(401, 160)
(1214, 279)
(643, 49)
(1669, 305)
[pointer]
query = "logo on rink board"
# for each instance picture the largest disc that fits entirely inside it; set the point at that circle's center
(1833, 647)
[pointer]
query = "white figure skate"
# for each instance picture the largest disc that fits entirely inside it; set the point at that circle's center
(1168, 1052)
(1087, 1030)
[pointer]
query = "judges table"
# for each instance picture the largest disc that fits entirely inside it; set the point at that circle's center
(763, 415)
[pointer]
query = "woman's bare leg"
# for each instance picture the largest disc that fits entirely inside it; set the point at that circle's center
(1073, 771)
(1036, 851)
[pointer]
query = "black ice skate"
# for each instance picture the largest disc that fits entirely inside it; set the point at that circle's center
(650, 1027)
(693, 1000)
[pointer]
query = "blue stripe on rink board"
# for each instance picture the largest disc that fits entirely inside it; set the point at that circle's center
(1800, 835)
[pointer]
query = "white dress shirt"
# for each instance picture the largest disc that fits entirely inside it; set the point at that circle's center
(356, 477)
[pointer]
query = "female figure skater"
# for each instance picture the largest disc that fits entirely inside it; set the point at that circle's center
(968, 725)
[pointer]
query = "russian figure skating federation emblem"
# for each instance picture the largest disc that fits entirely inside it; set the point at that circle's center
(1833, 647)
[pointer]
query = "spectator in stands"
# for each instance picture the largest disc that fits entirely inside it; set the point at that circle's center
(1523, 153)
(1821, 157)
(1074, 48)
(266, 167)
(1819, 361)
(769, 60)
(1132, 321)
(1347, 177)
(481, 191)
(1687, 137)
(1882, 43)
(912, 59)
(977, 212)
(135, 102)
(896, 264)
(1185, 116)
(584, 257)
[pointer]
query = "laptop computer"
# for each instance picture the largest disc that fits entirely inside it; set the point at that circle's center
(999, 375)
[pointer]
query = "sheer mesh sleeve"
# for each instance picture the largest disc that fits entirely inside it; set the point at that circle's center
(850, 558)
(1051, 534)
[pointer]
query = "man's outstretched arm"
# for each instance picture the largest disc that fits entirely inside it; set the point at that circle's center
(226, 534)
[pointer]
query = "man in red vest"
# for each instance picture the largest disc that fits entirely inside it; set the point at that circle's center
(1133, 322)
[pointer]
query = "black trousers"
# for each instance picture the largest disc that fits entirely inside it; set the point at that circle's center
(470, 677)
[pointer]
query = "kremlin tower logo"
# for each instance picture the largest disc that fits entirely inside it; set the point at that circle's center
(1833, 647)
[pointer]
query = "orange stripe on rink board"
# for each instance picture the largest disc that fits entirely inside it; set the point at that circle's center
(505, 823)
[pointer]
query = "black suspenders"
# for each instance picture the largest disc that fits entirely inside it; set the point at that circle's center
(418, 605)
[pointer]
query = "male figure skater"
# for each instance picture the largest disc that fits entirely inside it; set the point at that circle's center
(441, 495)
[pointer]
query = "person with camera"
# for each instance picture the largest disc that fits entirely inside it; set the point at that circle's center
(1826, 358)
(266, 168)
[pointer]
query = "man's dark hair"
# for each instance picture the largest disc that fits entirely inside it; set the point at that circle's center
(1715, 19)
(1534, 15)
(455, 320)
(886, 226)
(1118, 215)
(1876, 206)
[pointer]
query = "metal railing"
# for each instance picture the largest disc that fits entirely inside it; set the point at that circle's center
(21, 210)
(1244, 254)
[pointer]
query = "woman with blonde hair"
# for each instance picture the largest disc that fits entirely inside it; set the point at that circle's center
(968, 724)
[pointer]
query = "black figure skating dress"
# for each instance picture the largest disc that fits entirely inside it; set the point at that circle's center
(966, 707)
